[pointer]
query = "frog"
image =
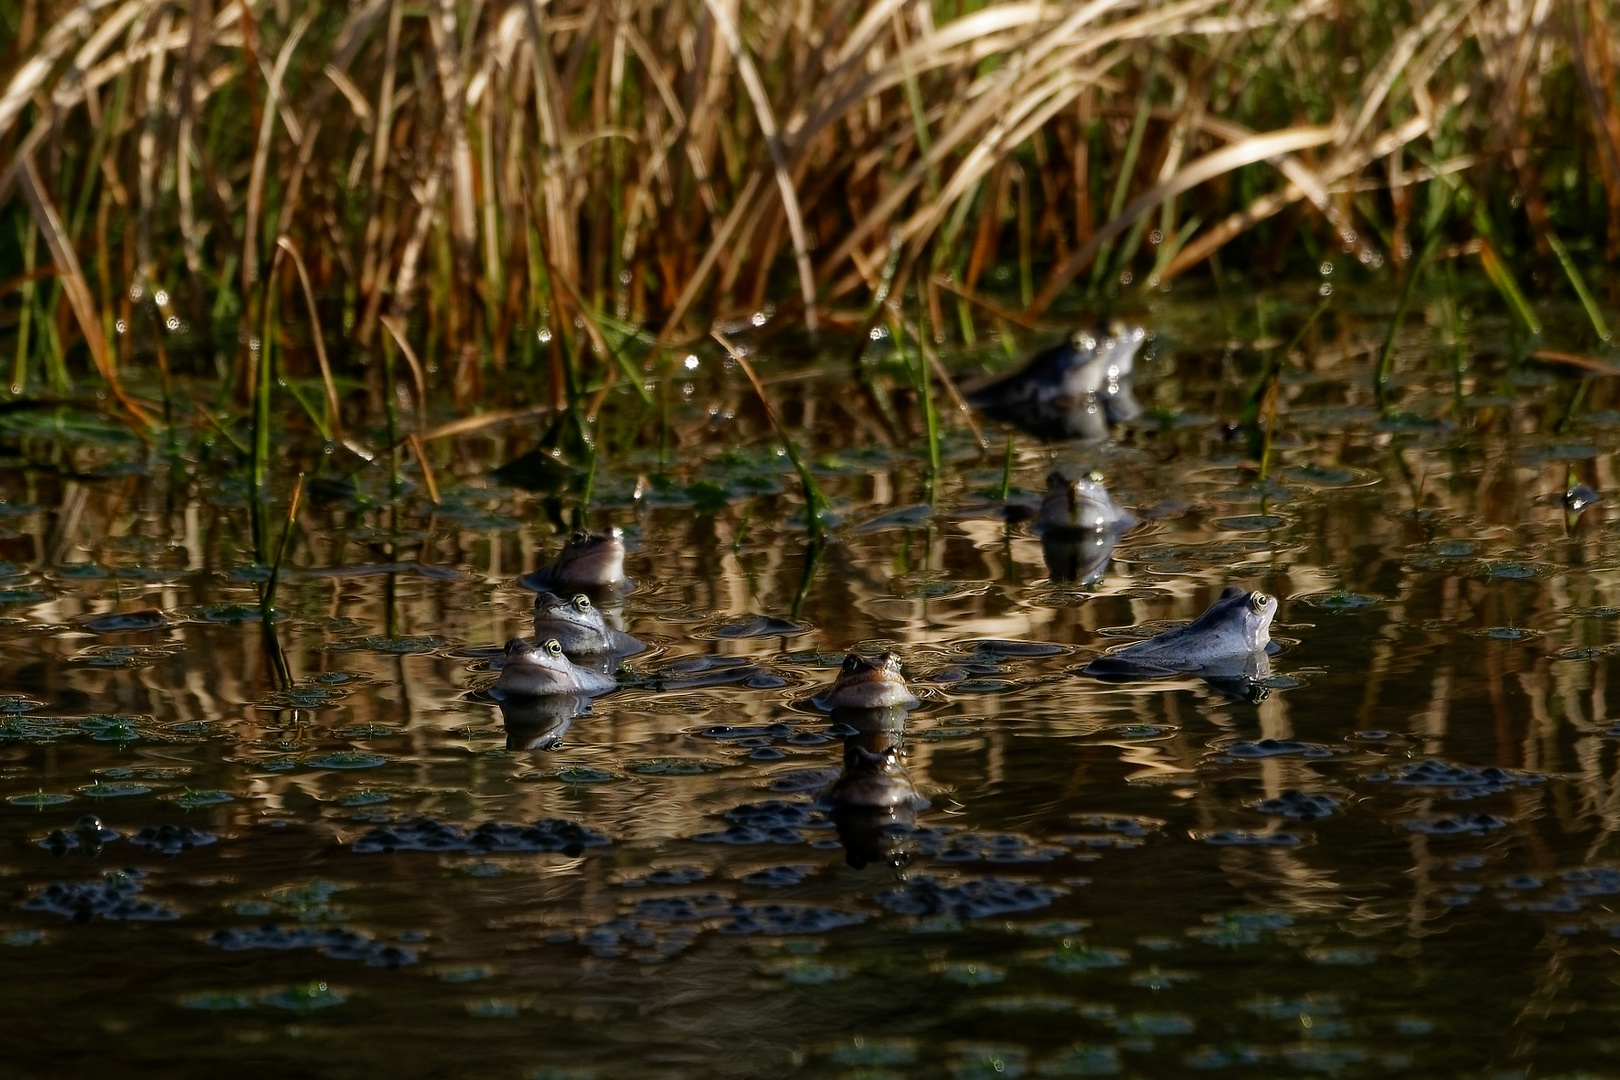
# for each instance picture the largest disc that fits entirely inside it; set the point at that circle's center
(1074, 389)
(578, 625)
(590, 561)
(1230, 638)
(535, 670)
(1083, 505)
(867, 684)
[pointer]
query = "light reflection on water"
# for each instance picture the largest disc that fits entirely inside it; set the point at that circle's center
(1146, 877)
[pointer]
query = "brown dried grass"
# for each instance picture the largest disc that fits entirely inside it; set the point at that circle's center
(516, 178)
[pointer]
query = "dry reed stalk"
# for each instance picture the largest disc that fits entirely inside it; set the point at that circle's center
(396, 328)
(784, 180)
(261, 159)
(334, 409)
(1247, 152)
(640, 140)
(427, 469)
(77, 289)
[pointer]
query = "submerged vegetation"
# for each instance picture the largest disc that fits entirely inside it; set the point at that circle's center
(434, 194)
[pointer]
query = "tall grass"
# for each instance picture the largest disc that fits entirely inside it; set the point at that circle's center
(575, 186)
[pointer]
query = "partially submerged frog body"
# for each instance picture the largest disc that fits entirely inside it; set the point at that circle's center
(579, 627)
(1073, 389)
(1082, 505)
(539, 723)
(590, 560)
(867, 684)
(543, 669)
(1227, 640)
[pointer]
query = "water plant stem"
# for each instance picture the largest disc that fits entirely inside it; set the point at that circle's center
(267, 605)
(1386, 355)
(1588, 301)
(815, 503)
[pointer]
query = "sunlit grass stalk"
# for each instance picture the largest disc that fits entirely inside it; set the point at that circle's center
(426, 466)
(262, 385)
(880, 297)
(390, 396)
(1439, 211)
(815, 503)
(1454, 338)
(1122, 182)
(922, 383)
(594, 329)
(925, 394)
(1006, 471)
(1588, 301)
(19, 371)
(267, 605)
(812, 561)
(1386, 355)
(1503, 279)
(1269, 395)
(332, 427)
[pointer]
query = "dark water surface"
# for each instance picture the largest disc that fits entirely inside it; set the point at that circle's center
(1402, 861)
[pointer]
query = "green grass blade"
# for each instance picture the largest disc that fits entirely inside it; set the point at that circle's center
(1588, 301)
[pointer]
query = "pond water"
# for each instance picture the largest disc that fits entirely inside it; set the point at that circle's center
(1401, 858)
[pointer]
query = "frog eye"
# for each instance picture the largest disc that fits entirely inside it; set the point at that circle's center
(851, 662)
(553, 647)
(582, 603)
(579, 538)
(1258, 601)
(1094, 476)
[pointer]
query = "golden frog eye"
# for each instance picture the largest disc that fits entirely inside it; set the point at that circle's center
(1094, 476)
(553, 647)
(582, 603)
(1258, 601)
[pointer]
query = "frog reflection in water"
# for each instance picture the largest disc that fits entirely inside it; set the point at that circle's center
(1229, 641)
(874, 792)
(1075, 389)
(873, 803)
(578, 626)
(1080, 525)
(590, 560)
(867, 684)
(535, 722)
(543, 669)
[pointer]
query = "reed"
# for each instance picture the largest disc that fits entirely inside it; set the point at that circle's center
(267, 605)
(815, 503)
(578, 185)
